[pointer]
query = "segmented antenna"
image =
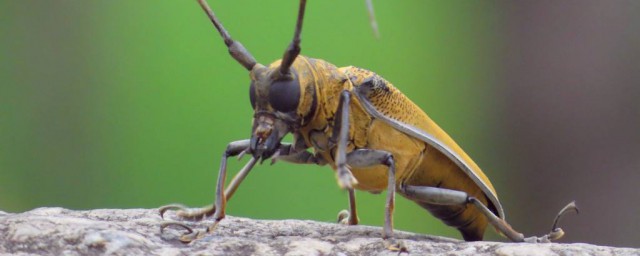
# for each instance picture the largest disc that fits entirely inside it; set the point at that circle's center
(372, 18)
(294, 48)
(236, 49)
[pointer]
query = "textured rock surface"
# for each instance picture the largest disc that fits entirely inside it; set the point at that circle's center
(57, 231)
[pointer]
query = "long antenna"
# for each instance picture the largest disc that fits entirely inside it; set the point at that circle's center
(372, 18)
(294, 48)
(236, 49)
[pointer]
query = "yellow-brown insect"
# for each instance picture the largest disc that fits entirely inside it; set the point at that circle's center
(371, 134)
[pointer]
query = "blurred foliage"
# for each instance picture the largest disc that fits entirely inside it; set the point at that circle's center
(131, 103)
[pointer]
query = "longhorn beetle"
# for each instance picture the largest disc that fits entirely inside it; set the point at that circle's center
(371, 134)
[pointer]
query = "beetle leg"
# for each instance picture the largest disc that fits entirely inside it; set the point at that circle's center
(349, 217)
(234, 148)
(341, 129)
(370, 157)
(288, 153)
(217, 210)
(220, 204)
(443, 196)
(196, 215)
(353, 213)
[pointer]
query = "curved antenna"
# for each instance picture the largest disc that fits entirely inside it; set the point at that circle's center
(294, 48)
(236, 49)
(372, 18)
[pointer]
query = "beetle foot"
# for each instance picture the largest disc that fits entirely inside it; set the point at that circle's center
(555, 234)
(395, 246)
(185, 213)
(344, 218)
(537, 240)
(171, 207)
(345, 178)
(188, 236)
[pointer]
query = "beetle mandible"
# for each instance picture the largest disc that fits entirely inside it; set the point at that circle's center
(371, 134)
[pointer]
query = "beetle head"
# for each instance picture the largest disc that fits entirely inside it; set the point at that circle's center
(274, 92)
(274, 98)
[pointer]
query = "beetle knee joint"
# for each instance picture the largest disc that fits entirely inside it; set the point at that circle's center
(235, 148)
(230, 151)
(402, 188)
(388, 160)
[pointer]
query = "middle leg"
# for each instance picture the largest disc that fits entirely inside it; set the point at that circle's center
(369, 157)
(349, 217)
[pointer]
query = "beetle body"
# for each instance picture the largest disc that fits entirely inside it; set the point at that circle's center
(417, 162)
(371, 134)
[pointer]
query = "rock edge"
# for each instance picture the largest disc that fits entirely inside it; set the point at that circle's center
(58, 231)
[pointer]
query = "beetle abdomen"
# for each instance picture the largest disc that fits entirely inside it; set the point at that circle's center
(472, 229)
(436, 170)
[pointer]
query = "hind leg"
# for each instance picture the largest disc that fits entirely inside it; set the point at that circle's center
(442, 196)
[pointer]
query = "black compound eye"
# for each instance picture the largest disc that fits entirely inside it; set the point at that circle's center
(252, 95)
(284, 95)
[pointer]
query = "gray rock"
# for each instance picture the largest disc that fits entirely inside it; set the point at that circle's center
(58, 231)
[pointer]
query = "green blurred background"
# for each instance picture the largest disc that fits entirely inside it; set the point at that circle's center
(129, 104)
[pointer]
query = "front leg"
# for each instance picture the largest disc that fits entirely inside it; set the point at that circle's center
(221, 200)
(233, 149)
(289, 153)
(236, 148)
(345, 177)
(285, 152)
(218, 209)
